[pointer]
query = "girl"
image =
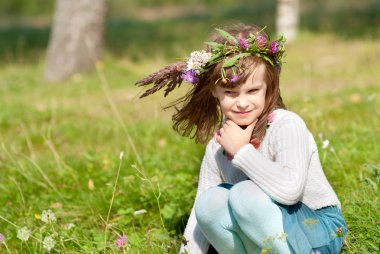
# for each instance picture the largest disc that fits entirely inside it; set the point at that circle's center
(261, 186)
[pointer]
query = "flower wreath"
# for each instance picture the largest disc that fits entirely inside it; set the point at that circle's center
(228, 53)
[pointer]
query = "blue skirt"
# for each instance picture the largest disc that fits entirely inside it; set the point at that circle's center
(308, 231)
(320, 231)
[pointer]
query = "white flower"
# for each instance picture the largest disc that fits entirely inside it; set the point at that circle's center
(48, 243)
(121, 155)
(197, 60)
(70, 226)
(23, 234)
(48, 216)
(325, 144)
(139, 212)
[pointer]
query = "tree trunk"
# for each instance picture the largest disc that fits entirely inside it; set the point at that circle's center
(76, 39)
(287, 18)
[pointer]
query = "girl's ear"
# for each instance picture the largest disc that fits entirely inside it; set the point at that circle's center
(213, 92)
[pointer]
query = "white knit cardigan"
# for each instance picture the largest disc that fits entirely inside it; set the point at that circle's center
(286, 166)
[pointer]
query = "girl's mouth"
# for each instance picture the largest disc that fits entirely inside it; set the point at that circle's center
(242, 113)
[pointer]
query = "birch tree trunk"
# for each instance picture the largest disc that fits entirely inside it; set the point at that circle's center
(287, 18)
(76, 39)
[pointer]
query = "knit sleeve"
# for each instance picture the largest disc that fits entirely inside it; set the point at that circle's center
(284, 178)
(209, 176)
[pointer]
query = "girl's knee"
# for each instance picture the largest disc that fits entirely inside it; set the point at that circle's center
(246, 198)
(210, 203)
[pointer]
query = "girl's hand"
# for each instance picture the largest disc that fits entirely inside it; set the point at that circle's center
(232, 137)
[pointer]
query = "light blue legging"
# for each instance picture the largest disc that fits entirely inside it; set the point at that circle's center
(241, 220)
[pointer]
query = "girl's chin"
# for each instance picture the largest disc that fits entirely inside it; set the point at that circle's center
(243, 123)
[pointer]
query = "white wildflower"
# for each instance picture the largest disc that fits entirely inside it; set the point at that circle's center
(139, 212)
(48, 216)
(325, 144)
(70, 226)
(48, 243)
(121, 155)
(23, 234)
(197, 60)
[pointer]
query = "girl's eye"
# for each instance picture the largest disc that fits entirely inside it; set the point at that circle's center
(253, 90)
(229, 92)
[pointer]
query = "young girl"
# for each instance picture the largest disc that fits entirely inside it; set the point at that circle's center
(261, 186)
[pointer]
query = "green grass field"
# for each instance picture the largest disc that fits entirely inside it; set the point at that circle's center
(61, 144)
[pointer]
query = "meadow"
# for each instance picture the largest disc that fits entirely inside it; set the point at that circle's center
(108, 164)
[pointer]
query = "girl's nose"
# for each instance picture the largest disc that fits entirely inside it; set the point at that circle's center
(242, 102)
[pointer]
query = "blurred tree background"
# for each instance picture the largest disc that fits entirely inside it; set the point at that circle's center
(25, 25)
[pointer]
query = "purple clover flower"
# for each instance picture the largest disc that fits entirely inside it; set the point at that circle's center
(122, 241)
(190, 76)
(274, 47)
(235, 78)
(315, 252)
(243, 44)
(2, 238)
(261, 41)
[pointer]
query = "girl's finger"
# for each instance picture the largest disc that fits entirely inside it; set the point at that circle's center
(250, 127)
(217, 137)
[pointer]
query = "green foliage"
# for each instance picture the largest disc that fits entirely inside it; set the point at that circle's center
(23, 7)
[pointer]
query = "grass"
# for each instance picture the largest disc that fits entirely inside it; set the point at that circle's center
(61, 144)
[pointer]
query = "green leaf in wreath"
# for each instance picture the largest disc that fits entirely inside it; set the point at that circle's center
(215, 45)
(226, 35)
(233, 60)
(267, 59)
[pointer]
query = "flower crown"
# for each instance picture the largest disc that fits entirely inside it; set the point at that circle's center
(228, 54)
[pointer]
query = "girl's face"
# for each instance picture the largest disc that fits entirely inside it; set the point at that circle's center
(245, 103)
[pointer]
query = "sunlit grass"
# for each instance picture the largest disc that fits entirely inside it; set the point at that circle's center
(60, 148)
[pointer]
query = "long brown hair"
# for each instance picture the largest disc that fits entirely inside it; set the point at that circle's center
(198, 114)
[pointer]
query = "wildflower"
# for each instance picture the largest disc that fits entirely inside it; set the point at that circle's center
(315, 252)
(139, 212)
(121, 155)
(190, 76)
(70, 226)
(339, 232)
(122, 241)
(261, 41)
(197, 60)
(37, 216)
(2, 238)
(48, 243)
(274, 47)
(325, 143)
(235, 78)
(270, 118)
(23, 234)
(243, 44)
(48, 216)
